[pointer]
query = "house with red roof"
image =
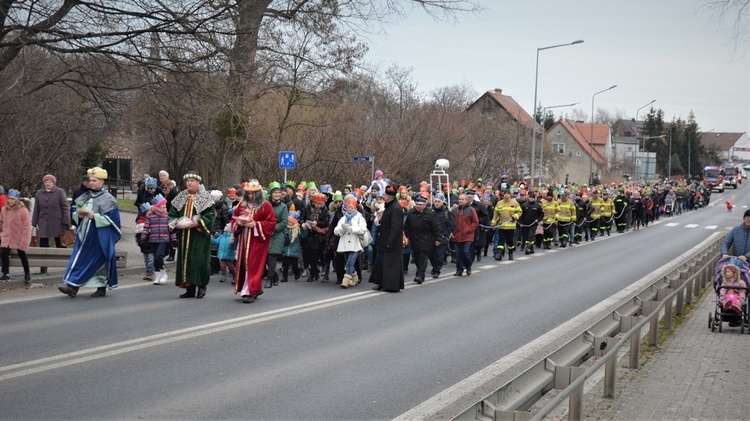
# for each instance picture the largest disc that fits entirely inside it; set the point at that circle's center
(495, 104)
(574, 152)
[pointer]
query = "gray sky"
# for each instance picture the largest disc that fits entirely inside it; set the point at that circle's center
(669, 50)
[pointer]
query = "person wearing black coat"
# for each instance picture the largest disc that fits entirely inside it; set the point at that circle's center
(388, 272)
(315, 220)
(531, 214)
(423, 232)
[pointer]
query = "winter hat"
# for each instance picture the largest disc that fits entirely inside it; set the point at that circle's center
(746, 214)
(378, 174)
(151, 183)
(49, 177)
(192, 174)
(97, 172)
(390, 190)
(14, 193)
(216, 194)
(420, 200)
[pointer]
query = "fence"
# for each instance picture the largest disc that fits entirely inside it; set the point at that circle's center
(562, 368)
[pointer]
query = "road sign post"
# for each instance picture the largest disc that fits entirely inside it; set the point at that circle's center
(287, 161)
(371, 160)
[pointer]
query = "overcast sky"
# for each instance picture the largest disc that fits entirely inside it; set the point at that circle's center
(669, 50)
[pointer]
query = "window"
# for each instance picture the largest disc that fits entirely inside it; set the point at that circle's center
(559, 148)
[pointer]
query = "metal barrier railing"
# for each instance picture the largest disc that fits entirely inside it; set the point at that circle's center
(561, 369)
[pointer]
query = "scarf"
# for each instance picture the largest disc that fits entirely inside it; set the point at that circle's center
(348, 217)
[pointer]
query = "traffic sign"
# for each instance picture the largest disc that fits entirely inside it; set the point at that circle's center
(362, 159)
(287, 160)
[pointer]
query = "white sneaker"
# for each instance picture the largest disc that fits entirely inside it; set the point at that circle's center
(164, 277)
(157, 277)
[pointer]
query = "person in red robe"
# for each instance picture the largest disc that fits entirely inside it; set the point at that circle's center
(253, 224)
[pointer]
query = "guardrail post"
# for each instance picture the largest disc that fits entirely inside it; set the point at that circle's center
(653, 332)
(575, 401)
(610, 374)
(684, 276)
(675, 284)
(627, 323)
(661, 294)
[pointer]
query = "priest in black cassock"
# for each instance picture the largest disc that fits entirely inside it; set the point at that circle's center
(387, 271)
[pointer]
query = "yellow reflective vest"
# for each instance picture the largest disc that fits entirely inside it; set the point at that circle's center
(550, 210)
(596, 206)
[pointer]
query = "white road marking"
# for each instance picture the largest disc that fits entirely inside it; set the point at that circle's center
(711, 227)
(671, 224)
(691, 225)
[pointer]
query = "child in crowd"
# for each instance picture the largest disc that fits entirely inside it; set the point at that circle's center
(225, 252)
(15, 233)
(349, 228)
(292, 251)
(156, 232)
(732, 292)
(147, 249)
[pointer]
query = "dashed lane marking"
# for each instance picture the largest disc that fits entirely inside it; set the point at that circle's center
(691, 225)
(711, 227)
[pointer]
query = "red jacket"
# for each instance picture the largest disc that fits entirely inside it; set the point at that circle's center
(466, 222)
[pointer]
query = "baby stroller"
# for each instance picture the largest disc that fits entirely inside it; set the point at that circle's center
(731, 301)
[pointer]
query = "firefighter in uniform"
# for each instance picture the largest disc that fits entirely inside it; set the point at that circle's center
(507, 212)
(583, 212)
(608, 209)
(531, 215)
(565, 217)
(596, 213)
(549, 206)
(621, 214)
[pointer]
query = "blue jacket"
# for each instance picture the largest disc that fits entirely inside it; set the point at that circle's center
(225, 251)
(739, 239)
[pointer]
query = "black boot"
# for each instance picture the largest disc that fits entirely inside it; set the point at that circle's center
(311, 278)
(510, 255)
(100, 292)
(201, 292)
(189, 292)
(275, 279)
(268, 283)
(69, 290)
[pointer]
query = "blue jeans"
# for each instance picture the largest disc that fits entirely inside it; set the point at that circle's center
(463, 256)
(351, 259)
(148, 259)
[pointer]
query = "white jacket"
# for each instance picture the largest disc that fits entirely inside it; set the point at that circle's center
(350, 234)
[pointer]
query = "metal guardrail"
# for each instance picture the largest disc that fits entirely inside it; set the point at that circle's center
(561, 369)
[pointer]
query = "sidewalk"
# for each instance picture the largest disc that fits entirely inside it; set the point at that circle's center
(54, 276)
(695, 375)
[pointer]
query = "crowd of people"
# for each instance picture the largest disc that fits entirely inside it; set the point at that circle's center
(382, 228)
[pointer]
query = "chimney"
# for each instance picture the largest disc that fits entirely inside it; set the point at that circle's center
(498, 91)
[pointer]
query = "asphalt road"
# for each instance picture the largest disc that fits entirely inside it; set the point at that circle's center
(309, 350)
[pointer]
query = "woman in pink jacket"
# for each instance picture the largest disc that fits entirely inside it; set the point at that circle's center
(15, 233)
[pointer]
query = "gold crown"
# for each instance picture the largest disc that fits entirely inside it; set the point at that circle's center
(252, 185)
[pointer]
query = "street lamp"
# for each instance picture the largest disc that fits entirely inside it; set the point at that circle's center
(536, 86)
(541, 152)
(636, 116)
(591, 140)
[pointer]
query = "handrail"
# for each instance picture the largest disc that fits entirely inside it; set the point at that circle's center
(612, 352)
(513, 398)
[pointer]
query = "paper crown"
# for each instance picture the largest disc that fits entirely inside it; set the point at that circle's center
(252, 185)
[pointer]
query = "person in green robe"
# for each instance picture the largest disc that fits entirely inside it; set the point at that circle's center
(192, 215)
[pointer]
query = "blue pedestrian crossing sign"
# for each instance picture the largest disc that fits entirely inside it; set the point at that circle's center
(287, 160)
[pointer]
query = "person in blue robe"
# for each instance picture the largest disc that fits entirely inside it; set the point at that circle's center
(93, 263)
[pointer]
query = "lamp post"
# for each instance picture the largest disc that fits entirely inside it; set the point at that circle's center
(591, 140)
(536, 86)
(541, 149)
(636, 116)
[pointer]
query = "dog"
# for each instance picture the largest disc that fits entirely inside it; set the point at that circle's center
(729, 206)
